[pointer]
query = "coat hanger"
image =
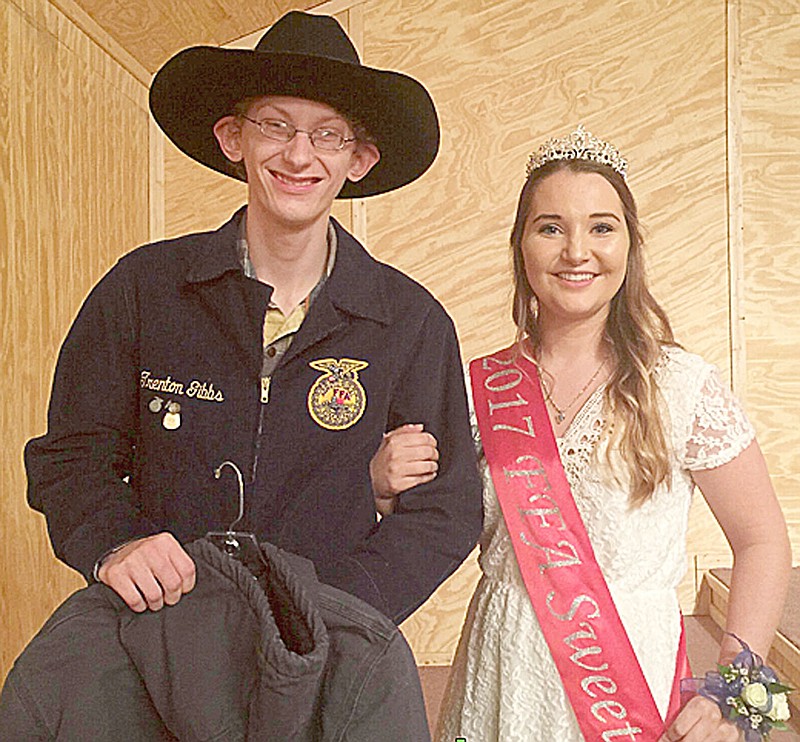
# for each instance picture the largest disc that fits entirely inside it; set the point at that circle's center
(241, 545)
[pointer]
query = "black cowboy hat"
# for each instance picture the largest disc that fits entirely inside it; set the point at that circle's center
(303, 56)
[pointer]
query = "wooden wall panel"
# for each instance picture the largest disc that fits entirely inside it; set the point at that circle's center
(153, 31)
(770, 132)
(653, 82)
(196, 197)
(74, 183)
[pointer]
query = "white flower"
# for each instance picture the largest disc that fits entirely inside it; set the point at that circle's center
(756, 695)
(780, 708)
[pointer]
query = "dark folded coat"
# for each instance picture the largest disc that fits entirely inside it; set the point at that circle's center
(283, 658)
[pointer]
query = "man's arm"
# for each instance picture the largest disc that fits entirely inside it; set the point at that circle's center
(436, 524)
(78, 471)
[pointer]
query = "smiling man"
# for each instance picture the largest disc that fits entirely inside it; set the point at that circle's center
(275, 343)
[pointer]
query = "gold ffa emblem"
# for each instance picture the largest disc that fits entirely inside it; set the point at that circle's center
(337, 400)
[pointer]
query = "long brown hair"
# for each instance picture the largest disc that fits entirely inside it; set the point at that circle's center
(636, 329)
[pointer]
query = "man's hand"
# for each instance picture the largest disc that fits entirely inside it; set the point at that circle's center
(700, 720)
(149, 572)
(407, 456)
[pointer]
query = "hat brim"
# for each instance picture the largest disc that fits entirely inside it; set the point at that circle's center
(200, 85)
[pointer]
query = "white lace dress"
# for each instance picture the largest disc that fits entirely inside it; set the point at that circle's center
(504, 686)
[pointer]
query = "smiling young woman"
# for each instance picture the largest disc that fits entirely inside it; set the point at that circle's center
(575, 247)
(594, 428)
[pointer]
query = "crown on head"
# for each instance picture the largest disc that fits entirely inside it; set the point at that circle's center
(579, 145)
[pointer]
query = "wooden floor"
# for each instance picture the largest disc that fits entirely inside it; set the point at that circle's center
(702, 641)
(434, 680)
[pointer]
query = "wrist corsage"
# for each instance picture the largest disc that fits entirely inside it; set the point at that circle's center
(748, 693)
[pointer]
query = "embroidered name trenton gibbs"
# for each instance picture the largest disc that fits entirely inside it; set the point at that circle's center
(160, 385)
(204, 390)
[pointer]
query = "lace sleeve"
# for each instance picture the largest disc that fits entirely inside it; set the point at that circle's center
(720, 428)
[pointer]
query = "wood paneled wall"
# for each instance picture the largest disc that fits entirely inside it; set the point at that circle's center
(74, 183)
(770, 136)
(701, 95)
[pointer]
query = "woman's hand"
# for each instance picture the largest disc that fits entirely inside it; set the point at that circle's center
(408, 456)
(700, 720)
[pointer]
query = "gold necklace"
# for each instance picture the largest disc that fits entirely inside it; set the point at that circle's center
(561, 412)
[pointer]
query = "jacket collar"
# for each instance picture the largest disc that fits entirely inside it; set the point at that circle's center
(355, 286)
(218, 255)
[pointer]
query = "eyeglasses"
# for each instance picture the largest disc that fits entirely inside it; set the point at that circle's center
(323, 138)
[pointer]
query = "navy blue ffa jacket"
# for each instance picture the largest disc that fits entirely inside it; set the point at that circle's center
(158, 383)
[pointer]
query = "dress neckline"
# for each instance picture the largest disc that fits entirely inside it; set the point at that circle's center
(583, 412)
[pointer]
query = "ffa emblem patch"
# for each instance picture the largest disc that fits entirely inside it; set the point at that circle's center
(337, 400)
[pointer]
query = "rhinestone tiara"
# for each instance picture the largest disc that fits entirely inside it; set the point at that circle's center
(579, 145)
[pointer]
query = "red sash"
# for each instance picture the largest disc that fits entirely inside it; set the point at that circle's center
(597, 664)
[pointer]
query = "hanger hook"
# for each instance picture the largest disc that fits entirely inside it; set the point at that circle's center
(218, 474)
